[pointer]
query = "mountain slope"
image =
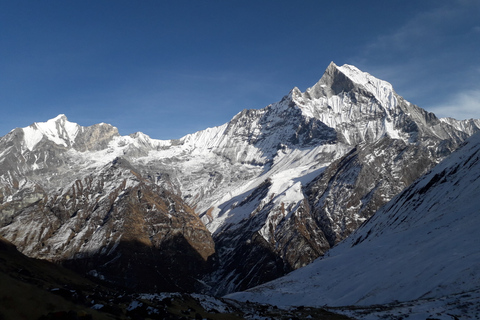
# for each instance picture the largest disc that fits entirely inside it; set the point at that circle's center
(31, 288)
(118, 226)
(276, 187)
(422, 245)
(313, 196)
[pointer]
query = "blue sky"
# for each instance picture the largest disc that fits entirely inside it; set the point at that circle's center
(169, 68)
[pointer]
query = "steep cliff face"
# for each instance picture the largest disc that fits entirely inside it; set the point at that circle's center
(354, 187)
(275, 187)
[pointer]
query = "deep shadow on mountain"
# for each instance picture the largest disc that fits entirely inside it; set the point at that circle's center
(38, 289)
(30, 288)
(243, 258)
(253, 262)
(123, 229)
(174, 266)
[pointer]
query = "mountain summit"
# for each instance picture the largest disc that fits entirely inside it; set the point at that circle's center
(62, 132)
(276, 187)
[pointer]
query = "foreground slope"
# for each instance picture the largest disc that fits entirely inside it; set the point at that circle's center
(422, 245)
(31, 288)
(37, 289)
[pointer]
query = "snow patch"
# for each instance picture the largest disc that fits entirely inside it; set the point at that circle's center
(382, 90)
(58, 130)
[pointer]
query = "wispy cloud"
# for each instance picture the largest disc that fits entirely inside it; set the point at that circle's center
(464, 105)
(432, 58)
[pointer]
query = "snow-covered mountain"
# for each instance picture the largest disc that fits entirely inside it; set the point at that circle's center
(311, 196)
(422, 246)
(275, 187)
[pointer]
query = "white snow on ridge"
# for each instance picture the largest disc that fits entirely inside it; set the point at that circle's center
(205, 139)
(382, 90)
(357, 121)
(32, 137)
(59, 130)
(469, 126)
(292, 169)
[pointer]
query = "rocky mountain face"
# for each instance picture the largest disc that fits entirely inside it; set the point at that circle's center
(120, 227)
(313, 196)
(233, 206)
(417, 256)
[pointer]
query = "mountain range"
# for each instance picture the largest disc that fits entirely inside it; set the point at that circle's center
(418, 255)
(223, 209)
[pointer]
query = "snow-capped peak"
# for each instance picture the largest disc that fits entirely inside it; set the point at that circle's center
(58, 130)
(359, 106)
(60, 117)
(336, 80)
(294, 93)
(382, 90)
